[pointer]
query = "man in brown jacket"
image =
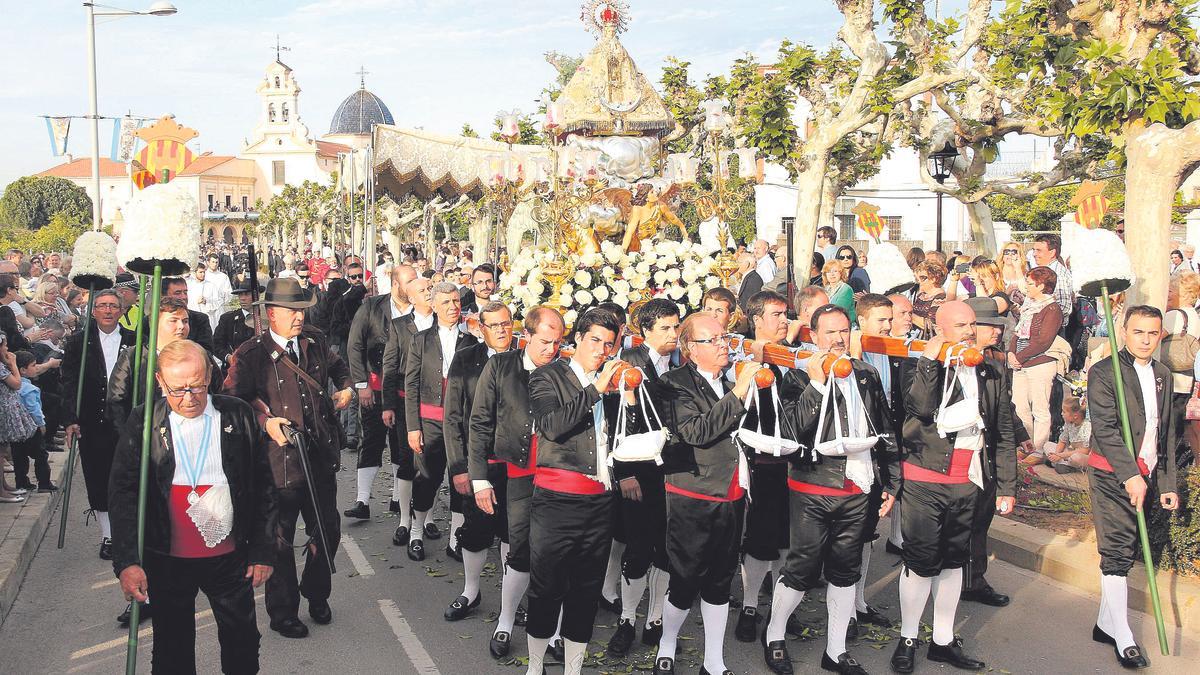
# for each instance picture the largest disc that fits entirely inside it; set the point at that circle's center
(282, 374)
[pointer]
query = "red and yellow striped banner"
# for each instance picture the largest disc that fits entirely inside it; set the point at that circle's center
(1091, 210)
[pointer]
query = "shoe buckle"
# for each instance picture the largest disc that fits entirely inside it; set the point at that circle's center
(500, 637)
(1133, 653)
(778, 654)
(910, 642)
(850, 661)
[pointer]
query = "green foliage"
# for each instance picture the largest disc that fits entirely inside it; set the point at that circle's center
(31, 201)
(1175, 538)
(57, 235)
(1040, 212)
(298, 206)
(468, 131)
(681, 97)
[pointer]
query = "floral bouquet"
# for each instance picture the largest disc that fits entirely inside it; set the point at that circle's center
(679, 271)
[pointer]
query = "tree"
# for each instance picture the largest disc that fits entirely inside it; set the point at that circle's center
(1121, 72)
(529, 133)
(468, 131)
(297, 209)
(31, 201)
(57, 235)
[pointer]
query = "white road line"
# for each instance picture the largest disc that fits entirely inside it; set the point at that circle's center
(357, 557)
(408, 639)
(142, 634)
(102, 584)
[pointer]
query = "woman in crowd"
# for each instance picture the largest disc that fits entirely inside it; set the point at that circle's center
(1181, 319)
(1033, 367)
(930, 277)
(984, 275)
(47, 295)
(915, 256)
(1012, 273)
(856, 276)
(835, 278)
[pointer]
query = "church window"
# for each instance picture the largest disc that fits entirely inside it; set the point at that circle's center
(270, 112)
(285, 111)
(277, 177)
(276, 81)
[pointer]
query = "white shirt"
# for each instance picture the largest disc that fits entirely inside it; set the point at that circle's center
(186, 435)
(207, 298)
(422, 322)
(586, 379)
(397, 312)
(284, 342)
(1149, 450)
(766, 268)
(662, 362)
(110, 344)
(221, 281)
(713, 381)
(448, 337)
(17, 308)
(383, 279)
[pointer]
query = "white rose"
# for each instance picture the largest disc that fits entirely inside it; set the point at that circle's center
(673, 274)
(570, 316)
(601, 293)
(590, 259)
(675, 292)
(689, 275)
(660, 278)
(711, 281)
(583, 278)
(693, 295)
(536, 288)
(621, 286)
(642, 267)
(612, 252)
(667, 260)
(638, 281)
(607, 273)
(583, 298)
(621, 299)
(650, 257)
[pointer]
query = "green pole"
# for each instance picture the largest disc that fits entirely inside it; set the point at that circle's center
(144, 469)
(1127, 433)
(69, 471)
(137, 347)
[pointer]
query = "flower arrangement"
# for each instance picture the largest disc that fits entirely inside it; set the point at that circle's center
(162, 225)
(94, 261)
(1107, 262)
(679, 271)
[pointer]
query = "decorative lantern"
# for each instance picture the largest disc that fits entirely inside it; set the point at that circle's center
(715, 119)
(553, 116)
(510, 128)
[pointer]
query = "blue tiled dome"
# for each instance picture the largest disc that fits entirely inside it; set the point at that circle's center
(358, 112)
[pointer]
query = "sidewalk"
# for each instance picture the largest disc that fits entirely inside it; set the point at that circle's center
(22, 528)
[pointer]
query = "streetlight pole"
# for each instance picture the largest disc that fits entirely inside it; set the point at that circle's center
(156, 9)
(940, 167)
(938, 239)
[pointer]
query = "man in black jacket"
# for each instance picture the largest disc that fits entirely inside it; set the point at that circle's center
(426, 367)
(571, 523)
(845, 428)
(1122, 484)
(479, 528)
(501, 456)
(705, 485)
(235, 326)
(483, 285)
(949, 440)
(395, 356)
(364, 352)
(201, 330)
(642, 507)
(205, 456)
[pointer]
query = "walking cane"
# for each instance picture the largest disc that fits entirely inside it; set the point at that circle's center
(73, 450)
(144, 468)
(1127, 434)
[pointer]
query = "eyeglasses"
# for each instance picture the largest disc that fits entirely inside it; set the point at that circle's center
(1011, 251)
(498, 326)
(106, 305)
(194, 391)
(720, 341)
(845, 257)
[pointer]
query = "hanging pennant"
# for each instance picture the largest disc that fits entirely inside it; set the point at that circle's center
(868, 220)
(59, 129)
(1090, 204)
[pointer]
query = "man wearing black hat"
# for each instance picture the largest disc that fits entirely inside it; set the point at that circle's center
(131, 308)
(235, 326)
(282, 373)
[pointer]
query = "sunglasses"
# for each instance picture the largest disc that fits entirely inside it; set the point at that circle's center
(845, 257)
(356, 276)
(1011, 251)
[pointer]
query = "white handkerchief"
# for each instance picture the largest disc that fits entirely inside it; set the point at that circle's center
(213, 515)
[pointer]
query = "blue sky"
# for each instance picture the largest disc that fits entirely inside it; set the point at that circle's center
(436, 64)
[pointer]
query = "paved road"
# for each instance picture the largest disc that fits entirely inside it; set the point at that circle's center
(388, 619)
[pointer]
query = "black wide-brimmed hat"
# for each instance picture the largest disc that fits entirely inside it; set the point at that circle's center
(244, 287)
(286, 292)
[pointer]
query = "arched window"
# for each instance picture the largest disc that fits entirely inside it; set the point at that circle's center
(276, 81)
(285, 111)
(270, 112)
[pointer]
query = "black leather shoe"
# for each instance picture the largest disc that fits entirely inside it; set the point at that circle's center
(664, 665)
(845, 664)
(500, 644)
(558, 650)
(776, 655)
(612, 606)
(522, 615)
(416, 550)
(652, 633)
(1133, 657)
(986, 596)
(400, 536)
(393, 506)
(360, 511)
(618, 644)
(49, 487)
(892, 548)
(106, 549)
(290, 628)
(432, 531)
(455, 553)
(953, 654)
(874, 617)
(1098, 635)
(460, 608)
(320, 611)
(124, 617)
(747, 625)
(904, 659)
(852, 629)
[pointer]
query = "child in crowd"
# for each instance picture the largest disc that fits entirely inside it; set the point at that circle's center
(1074, 443)
(32, 447)
(16, 424)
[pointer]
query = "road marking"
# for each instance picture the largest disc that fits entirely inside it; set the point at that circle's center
(357, 557)
(408, 639)
(142, 634)
(885, 580)
(102, 584)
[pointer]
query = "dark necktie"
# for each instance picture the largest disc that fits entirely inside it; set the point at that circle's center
(291, 352)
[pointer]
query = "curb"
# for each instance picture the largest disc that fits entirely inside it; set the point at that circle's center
(26, 527)
(1077, 564)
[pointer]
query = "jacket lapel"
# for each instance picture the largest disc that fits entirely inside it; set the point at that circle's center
(229, 456)
(166, 463)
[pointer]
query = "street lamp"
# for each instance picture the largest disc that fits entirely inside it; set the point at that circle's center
(94, 10)
(940, 164)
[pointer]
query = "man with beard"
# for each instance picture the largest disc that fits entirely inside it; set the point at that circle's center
(427, 365)
(364, 350)
(642, 502)
(1121, 484)
(845, 424)
(478, 529)
(570, 527)
(705, 485)
(483, 285)
(945, 464)
(502, 456)
(395, 356)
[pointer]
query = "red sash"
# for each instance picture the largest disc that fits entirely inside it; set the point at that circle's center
(375, 382)
(960, 462)
(1097, 461)
(186, 541)
(569, 482)
(848, 489)
(735, 492)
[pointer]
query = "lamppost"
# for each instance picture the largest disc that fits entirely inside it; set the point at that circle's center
(94, 10)
(940, 164)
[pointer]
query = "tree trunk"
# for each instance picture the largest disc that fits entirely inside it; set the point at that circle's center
(810, 184)
(980, 216)
(1159, 160)
(318, 234)
(829, 195)
(300, 237)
